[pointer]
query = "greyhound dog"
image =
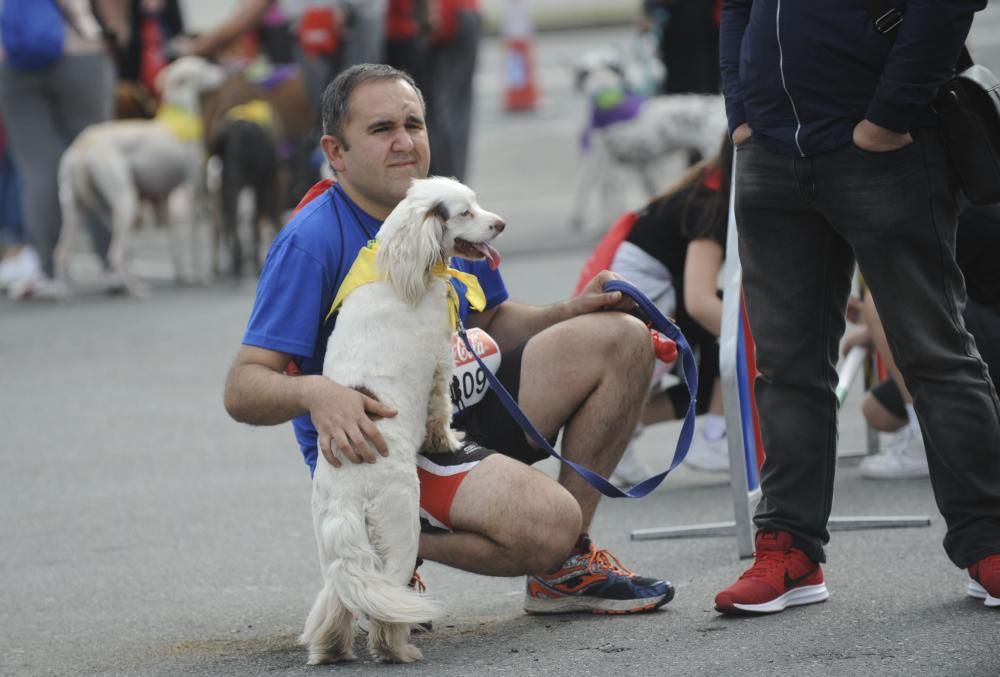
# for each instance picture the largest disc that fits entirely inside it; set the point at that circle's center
(111, 166)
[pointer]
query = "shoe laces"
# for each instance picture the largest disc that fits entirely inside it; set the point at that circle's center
(767, 563)
(599, 559)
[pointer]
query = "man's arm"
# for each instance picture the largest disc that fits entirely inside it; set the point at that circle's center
(259, 392)
(927, 45)
(233, 27)
(511, 324)
(735, 17)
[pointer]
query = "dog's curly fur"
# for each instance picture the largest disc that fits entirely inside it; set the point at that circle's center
(392, 341)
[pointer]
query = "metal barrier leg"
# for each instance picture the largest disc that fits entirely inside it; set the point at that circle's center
(835, 524)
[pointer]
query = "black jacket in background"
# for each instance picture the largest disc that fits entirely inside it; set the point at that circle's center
(803, 73)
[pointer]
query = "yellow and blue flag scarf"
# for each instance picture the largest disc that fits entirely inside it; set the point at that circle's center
(364, 271)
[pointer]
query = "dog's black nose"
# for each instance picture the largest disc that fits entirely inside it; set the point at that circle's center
(499, 226)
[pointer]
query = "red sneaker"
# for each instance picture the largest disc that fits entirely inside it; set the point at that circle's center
(984, 580)
(781, 576)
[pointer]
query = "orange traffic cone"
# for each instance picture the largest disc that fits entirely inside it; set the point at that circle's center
(520, 92)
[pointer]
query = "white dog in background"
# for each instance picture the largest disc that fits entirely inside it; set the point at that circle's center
(111, 167)
(629, 133)
(392, 341)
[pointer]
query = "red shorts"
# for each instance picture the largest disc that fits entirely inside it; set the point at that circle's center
(440, 475)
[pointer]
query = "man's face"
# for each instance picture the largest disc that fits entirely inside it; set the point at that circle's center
(384, 146)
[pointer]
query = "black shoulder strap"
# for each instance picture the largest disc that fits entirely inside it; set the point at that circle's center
(887, 19)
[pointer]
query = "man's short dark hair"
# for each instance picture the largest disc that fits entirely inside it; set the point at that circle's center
(337, 95)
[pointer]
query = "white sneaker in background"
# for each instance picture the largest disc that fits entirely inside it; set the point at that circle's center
(708, 455)
(37, 287)
(629, 471)
(905, 458)
(19, 267)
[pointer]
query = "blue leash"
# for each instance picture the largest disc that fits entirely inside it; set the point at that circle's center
(661, 323)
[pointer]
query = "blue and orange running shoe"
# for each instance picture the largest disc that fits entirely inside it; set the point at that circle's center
(592, 580)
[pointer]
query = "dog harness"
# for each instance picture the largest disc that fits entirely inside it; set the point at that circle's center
(182, 123)
(364, 270)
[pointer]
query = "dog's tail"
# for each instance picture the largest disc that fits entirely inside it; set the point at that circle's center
(358, 579)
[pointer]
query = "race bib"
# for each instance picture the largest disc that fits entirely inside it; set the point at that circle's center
(468, 383)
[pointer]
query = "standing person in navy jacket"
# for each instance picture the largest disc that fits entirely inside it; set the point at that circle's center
(839, 160)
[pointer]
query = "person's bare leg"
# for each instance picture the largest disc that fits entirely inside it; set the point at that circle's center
(508, 519)
(869, 314)
(660, 408)
(879, 417)
(715, 404)
(874, 411)
(588, 376)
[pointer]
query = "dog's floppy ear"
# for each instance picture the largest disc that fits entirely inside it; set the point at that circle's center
(411, 242)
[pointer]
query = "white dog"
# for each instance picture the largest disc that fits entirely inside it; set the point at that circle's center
(112, 166)
(392, 341)
(629, 133)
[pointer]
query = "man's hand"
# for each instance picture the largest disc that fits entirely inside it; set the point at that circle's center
(869, 136)
(592, 298)
(343, 418)
(741, 134)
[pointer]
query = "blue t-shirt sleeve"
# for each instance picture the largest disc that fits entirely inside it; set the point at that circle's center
(490, 280)
(492, 284)
(291, 303)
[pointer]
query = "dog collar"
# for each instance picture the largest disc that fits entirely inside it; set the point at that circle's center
(257, 111)
(609, 111)
(364, 270)
(182, 123)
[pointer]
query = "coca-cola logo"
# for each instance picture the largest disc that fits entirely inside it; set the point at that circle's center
(480, 341)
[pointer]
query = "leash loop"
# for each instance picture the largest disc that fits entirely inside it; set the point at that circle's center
(599, 482)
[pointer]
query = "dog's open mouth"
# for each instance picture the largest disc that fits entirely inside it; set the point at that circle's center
(478, 250)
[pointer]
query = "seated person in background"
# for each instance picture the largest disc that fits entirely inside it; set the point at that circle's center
(673, 253)
(888, 406)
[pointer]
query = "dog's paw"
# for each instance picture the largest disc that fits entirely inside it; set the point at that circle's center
(407, 653)
(327, 658)
(122, 284)
(442, 440)
(455, 438)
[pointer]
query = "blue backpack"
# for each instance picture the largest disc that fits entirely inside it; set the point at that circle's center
(32, 32)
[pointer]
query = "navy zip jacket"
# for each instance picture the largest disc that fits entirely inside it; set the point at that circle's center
(803, 73)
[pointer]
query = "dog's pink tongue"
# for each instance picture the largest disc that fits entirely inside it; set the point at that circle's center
(491, 254)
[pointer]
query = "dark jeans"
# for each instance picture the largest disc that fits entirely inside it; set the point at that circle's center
(802, 222)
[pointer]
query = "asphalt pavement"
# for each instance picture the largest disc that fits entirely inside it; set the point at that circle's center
(145, 533)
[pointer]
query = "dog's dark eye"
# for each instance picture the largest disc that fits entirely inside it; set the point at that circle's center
(467, 213)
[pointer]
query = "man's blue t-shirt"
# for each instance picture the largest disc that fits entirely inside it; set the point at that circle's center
(303, 270)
